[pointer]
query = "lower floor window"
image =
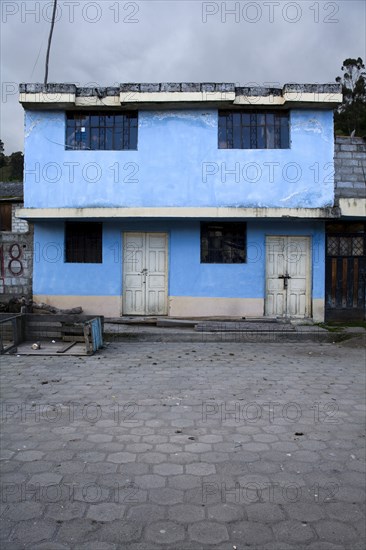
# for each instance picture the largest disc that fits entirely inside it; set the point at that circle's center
(83, 242)
(223, 243)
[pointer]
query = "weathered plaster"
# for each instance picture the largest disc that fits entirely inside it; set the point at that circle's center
(178, 164)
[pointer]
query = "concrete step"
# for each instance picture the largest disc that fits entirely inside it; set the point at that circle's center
(155, 334)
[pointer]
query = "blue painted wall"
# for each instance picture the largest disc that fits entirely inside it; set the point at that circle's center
(187, 276)
(178, 163)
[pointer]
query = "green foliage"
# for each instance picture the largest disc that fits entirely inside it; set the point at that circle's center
(16, 162)
(11, 167)
(2, 156)
(351, 115)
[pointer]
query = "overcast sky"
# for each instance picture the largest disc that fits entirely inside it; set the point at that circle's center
(111, 41)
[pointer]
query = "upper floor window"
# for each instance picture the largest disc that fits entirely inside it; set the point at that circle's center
(107, 131)
(254, 130)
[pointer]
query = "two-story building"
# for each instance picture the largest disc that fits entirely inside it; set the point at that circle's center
(180, 199)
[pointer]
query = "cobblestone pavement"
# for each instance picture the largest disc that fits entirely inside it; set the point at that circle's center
(185, 446)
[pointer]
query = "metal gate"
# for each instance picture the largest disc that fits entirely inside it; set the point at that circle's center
(345, 271)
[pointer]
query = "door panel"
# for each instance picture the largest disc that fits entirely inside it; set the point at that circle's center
(145, 274)
(288, 276)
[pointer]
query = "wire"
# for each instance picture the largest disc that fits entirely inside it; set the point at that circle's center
(39, 53)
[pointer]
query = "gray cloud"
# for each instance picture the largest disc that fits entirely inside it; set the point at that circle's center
(156, 41)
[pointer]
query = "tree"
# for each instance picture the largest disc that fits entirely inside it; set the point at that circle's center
(16, 163)
(2, 156)
(351, 115)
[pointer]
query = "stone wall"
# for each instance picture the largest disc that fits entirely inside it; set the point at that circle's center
(16, 265)
(18, 225)
(350, 167)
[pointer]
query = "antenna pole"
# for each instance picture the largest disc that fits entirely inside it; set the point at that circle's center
(50, 40)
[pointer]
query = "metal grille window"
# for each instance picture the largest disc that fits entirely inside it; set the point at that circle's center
(254, 130)
(111, 131)
(345, 246)
(223, 243)
(83, 242)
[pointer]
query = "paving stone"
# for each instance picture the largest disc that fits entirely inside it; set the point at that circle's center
(264, 511)
(166, 495)
(49, 546)
(342, 512)
(335, 531)
(208, 532)
(166, 469)
(133, 468)
(101, 468)
(70, 467)
(211, 438)
(65, 511)
(186, 513)
(293, 532)
(226, 512)
(96, 546)
(251, 533)
(215, 457)
(279, 546)
(184, 481)
(6, 545)
(121, 458)
(91, 493)
(77, 530)
(165, 532)
(200, 469)
(183, 458)
(47, 478)
(150, 481)
(139, 447)
(100, 438)
(106, 511)
(155, 439)
(27, 456)
(120, 532)
(7, 527)
(145, 513)
(303, 512)
(197, 448)
(22, 511)
(168, 448)
(152, 458)
(33, 531)
(318, 545)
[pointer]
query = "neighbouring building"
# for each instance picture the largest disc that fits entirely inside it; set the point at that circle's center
(346, 237)
(182, 199)
(16, 246)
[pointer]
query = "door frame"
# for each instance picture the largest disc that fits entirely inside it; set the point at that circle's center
(166, 267)
(308, 276)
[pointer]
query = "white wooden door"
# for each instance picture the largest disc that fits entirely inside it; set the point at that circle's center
(145, 274)
(288, 289)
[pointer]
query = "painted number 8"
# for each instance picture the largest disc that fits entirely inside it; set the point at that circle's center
(15, 258)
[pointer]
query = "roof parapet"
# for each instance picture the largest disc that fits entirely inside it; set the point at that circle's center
(60, 96)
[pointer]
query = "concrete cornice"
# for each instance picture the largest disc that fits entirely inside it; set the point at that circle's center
(176, 212)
